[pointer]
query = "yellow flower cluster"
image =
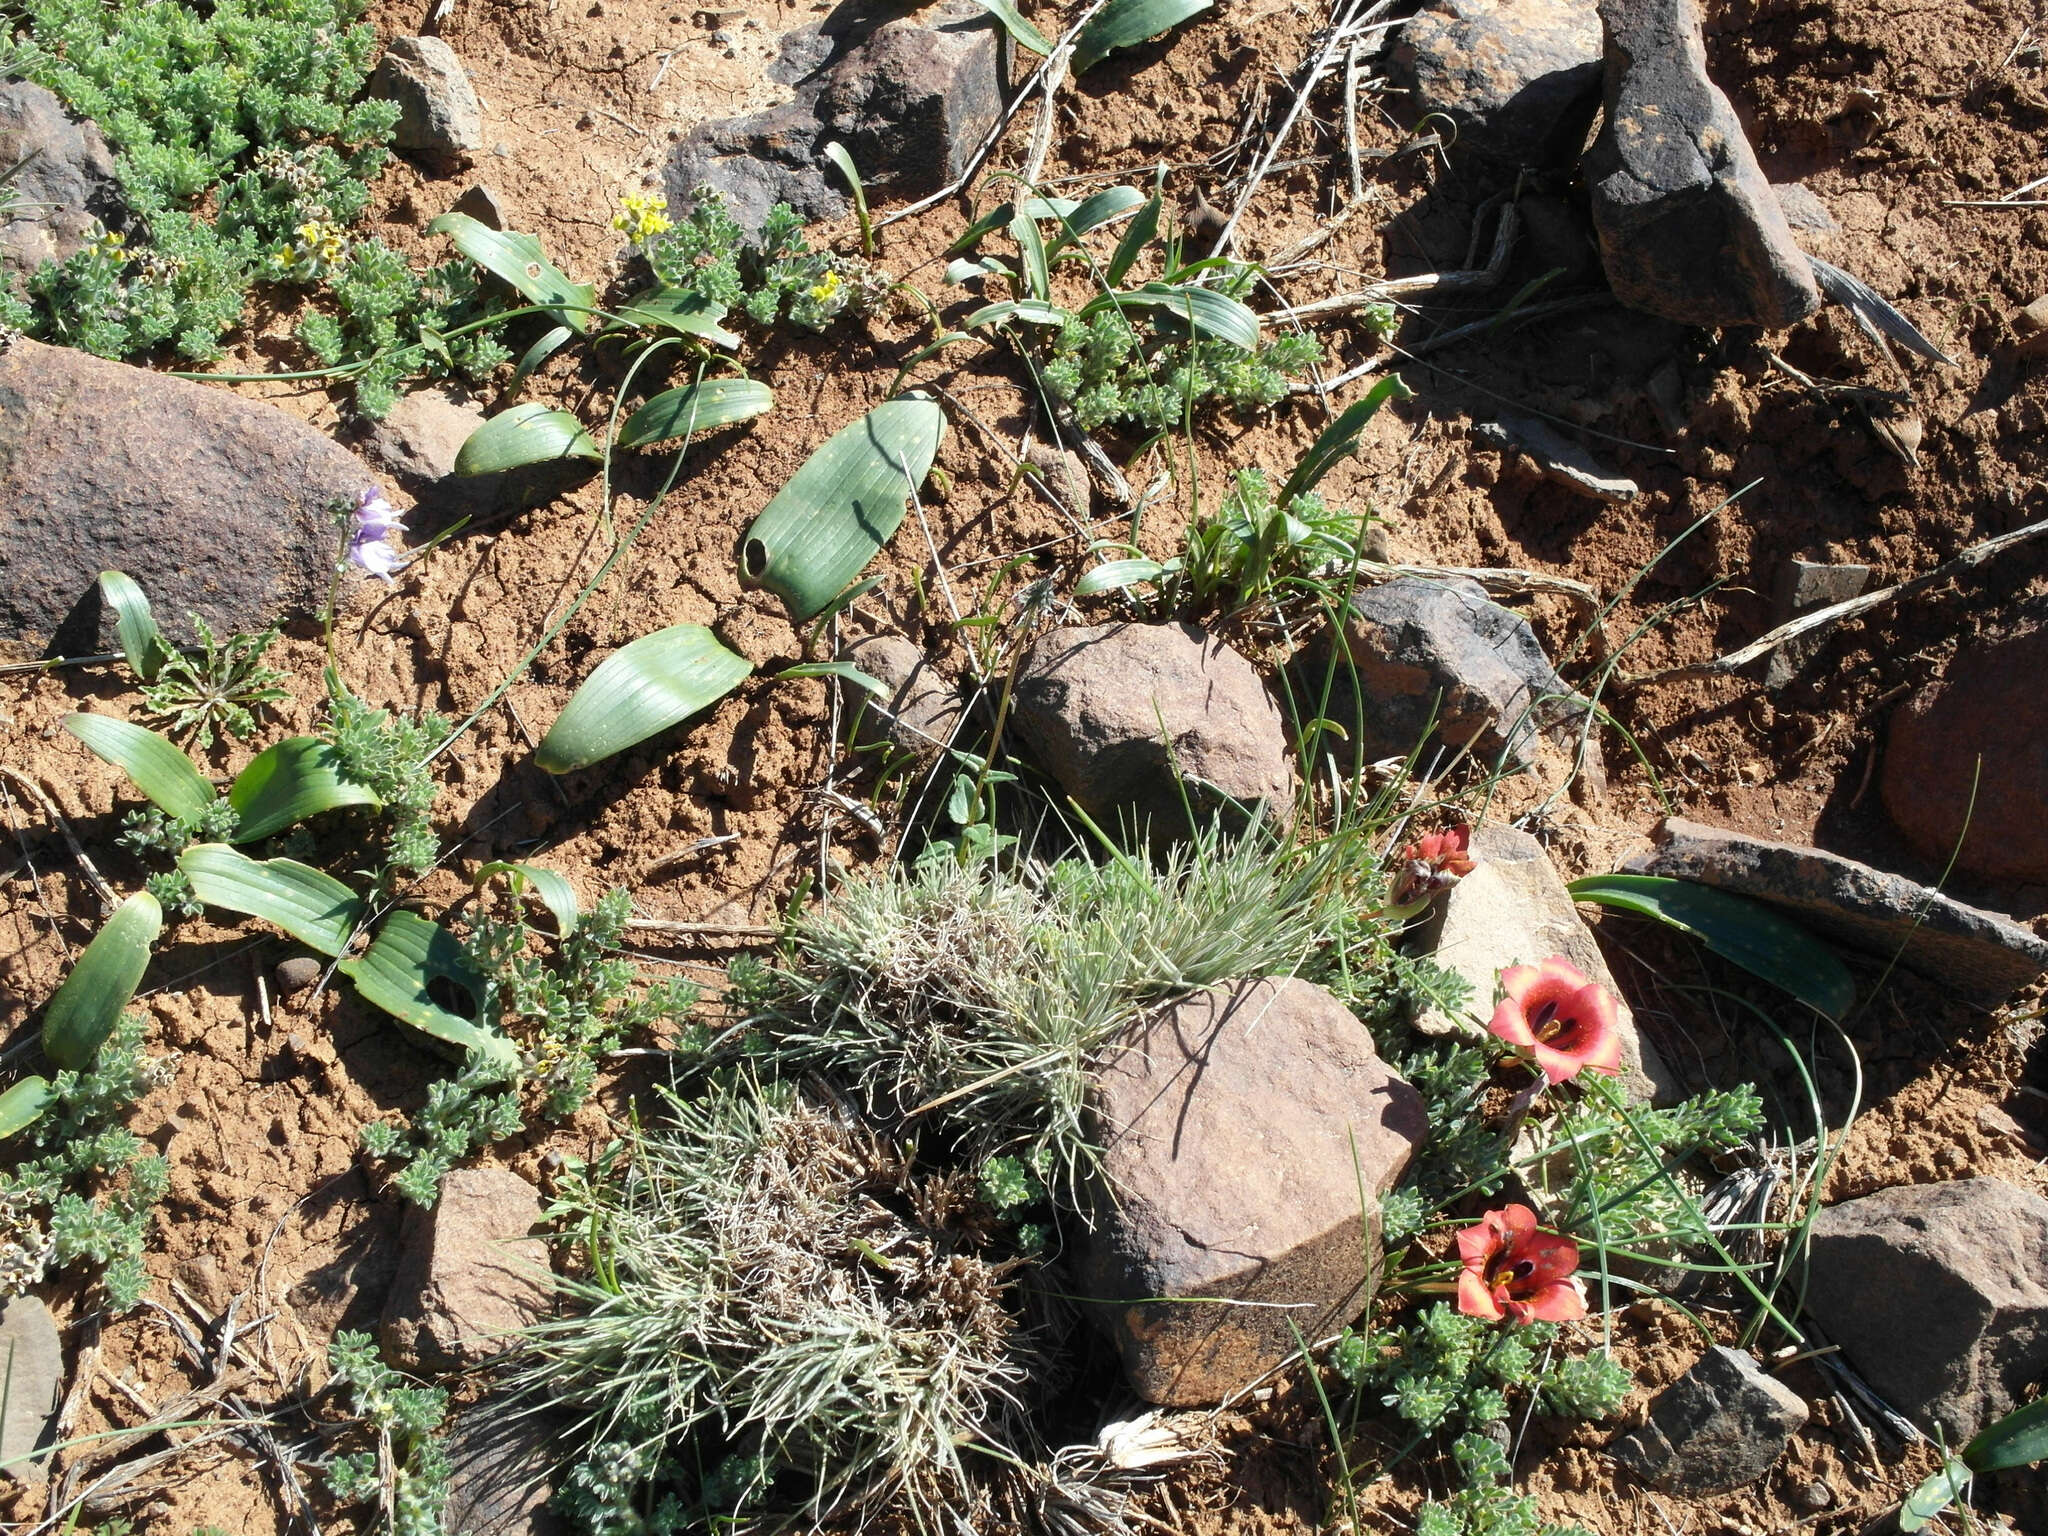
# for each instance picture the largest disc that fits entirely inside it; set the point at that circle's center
(825, 289)
(324, 241)
(110, 244)
(643, 216)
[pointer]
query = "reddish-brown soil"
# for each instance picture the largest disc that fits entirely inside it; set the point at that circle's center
(1891, 115)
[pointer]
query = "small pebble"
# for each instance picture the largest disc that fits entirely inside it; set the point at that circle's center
(295, 975)
(1812, 1496)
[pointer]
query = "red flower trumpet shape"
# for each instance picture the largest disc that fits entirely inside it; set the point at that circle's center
(1433, 863)
(1560, 1017)
(1515, 1272)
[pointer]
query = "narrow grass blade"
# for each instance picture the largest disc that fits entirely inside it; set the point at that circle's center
(845, 671)
(1031, 250)
(527, 433)
(89, 1004)
(1751, 935)
(843, 505)
(550, 885)
(519, 261)
(1212, 313)
(638, 690)
(695, 408)
(1126, 23)
(283, 785)
(397, 971)
(159, 769)
(1340, 438)
(836, 153)
(22, 1105)
(141, 641)
(1141, 232)
(1115, 575)
(310, 905)
(1026, 35)
(674, 309)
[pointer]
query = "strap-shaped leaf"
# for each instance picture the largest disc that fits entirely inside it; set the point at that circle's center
(695, 408)
(1096, 211)
(640, 689)
(550, 885)
(546, 347)
(89, 1004)
(2018, 1440)
(1035, 311)
(299, 777)
(1141, 232)
(163, 773)
(519, 260)
(1926, 1502)
(408, 955)
(845, 503)
(1340, 437)
(1126, 23)
(1031, 256)
(22, 1105)
(1026, 34)
(678, 310)
(309, 904)
(1751, 935)
(527, 433)
(1212, 313)
(141, 641)
(1115, 575)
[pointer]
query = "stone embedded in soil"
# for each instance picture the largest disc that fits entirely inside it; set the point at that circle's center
(1442, 653)
(1238, 1130)
(1938, 1295)
(1802, 209)
(921, 711)
(438, 112)
(1557, 457)
(1689, 228)
(294, 974)
(1982, 957)
(501, 1458)
(420, 436)
(1802, 586)
(1519, 78)
(1115, 711)
(1966, 761)
(1513, 909)
(210, 501)
(1720, 1426)
(65, 185)
(909, 100)
(32, 1364)
(482, 203)
(470, 1276)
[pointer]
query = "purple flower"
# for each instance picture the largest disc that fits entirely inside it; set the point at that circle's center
(374, 518)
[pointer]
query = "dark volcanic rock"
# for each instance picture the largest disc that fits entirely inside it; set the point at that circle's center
(66, 183)
(1983, 957)
(1239, 1130)
(1720, 1426)
(1689, 228)
(438, 112)
(1520, 78)
(211, 501)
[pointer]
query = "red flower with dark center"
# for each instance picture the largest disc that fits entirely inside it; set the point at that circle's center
(1515, 1272)
(1433, 863)
(1560, 1017)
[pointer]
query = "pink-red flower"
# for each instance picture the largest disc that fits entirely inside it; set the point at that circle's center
(1558, 1016)
(1433, 863)
(1514, 1271)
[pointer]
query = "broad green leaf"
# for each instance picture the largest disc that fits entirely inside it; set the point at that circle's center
(695, 408)
(159, 769)
(299, 777)
(1126, 23)
(1340, 438)
(1097, 211)
(519, 260)
(22, 1105)
(550, 885)
(844, 504)
(396, 971)
(675, 309)
(845, 671)
(312, 906)
(107, 972)
(1035, 311)
(2017, 1440)
(1031, 254)
(141, 641)
(1143, 230)
(1934, 1495)
(1115, 575)
(1204, 309)
(543, 349)
(1027, 35)
(638, 690)
(527, 433)
(1749, 934)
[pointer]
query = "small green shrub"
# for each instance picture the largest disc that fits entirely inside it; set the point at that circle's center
(387, 751)
(221, 689)
(405, 1472)
(779, 278)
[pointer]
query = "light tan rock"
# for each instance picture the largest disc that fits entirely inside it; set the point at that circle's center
(470, 1275)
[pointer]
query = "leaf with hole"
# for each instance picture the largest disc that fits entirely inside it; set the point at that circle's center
(518, 260)
(843, 505)
(695, 408)
(550, 885)
(1340, 438)
(1126, 23)
(23, 1105)
(527, 433)
(142, 643)
(1026, 35)
(398, 971)
(1202, 309)
(299, 777)
(640, 689)
(1745, 932)
(309, 904)
(159, 769)
(678, 310)
(103, 979)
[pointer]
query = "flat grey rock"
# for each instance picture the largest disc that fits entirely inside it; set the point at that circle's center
(32, 1368)
(1720, 1426)
(66, 184)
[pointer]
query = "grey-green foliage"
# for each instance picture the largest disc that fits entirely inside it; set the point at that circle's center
(387, 751)
(222, 688)
(1486, 1503)
(86, 1192)
(760, 1334)
(405, 1470)
(775, 278)
(159, 832)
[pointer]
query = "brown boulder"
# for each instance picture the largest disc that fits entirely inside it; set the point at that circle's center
(470, 1276)
(64, 182)
(1966, 762)
(1238, 1131)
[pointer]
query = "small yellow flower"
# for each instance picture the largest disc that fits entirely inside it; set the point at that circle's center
(285, 256)
(825, 289)
(642, 216)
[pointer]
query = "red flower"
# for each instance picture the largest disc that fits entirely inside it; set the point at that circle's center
(1514, 1271)
(1433, 863)
(1564, 1020)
